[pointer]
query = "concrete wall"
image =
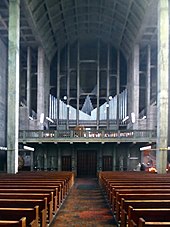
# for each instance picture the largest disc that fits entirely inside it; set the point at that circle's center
(3, 92)
(46, 155)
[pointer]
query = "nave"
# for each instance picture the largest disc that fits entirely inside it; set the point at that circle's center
(84, 206)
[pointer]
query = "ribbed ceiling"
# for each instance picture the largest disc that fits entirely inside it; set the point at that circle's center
(59, 22)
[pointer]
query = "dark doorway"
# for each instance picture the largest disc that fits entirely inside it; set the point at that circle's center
(66, 163)
(86, 163)
(107, 163)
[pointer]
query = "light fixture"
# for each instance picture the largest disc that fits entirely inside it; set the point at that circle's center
(125, 119)
(65, 97)
(3, 148)
(107, 105)
(49, 119)
(110, 97)
(144, 117)
(42, 118)
(29, 148)
(145, 148)
(31, 118)
(133, 158)
(133, 117)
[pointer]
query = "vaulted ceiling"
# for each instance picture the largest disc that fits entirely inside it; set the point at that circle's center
(54, 23)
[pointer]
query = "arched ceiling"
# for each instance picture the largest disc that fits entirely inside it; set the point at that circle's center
(59, 22)
(54, 23)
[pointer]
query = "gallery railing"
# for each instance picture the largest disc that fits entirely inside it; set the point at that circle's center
(83, 135)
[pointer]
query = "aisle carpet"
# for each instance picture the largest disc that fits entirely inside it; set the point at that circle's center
(84, 206)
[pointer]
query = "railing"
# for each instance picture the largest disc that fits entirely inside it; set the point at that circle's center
(76, 135)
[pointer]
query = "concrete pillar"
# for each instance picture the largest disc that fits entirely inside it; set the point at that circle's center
(108, 85)
(40, 88)
(68, 84)
(135, 85)
(148, 80)
(73, 158)
(47, 87)
(45, 160)
(59, 158)
(31, 161)
(98, 84)
(163, 85)
(114, 158)
(129, 86)
(58, 87)
(100, 156)
(78, 82)
(118, 86)
(148, 86)
(28, 80)
(13, 85)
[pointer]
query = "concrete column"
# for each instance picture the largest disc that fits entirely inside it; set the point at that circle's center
(40, 87)
(100, 156)
(45, 160)
(59, 158)
(68, 84)
(78, 82)
(148, 86)
(73, 159)
(129, 86)
(32, 161)
(98, 83)
(58, 87)
(163, 85)
(118, 86)
(108, 85)
(28, 80)
(47, 87)
(148, 79)
(135, 84)
(114, 158)
(13, 85)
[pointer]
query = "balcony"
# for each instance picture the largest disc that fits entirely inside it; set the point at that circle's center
(91, 136)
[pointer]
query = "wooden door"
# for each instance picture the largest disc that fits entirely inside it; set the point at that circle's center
(107, 163)
(66, 163)
(86, 163)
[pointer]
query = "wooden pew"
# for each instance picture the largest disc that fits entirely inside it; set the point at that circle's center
(20, 195)
(55, 187)
(125, 186)
(117, 201)
(139, 204)
(51, 194)
(12, 223)
(143, 223)
(57, 184)
(21, 183)
(31, 214)
(148, 214)
(28, 203)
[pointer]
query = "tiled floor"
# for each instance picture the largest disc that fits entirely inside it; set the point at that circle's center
(84, 206)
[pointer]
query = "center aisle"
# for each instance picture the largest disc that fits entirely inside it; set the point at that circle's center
(84, 206)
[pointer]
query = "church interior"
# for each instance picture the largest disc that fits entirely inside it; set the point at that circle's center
(84, 113)
(82, 87)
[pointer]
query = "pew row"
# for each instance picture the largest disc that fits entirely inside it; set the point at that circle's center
(13, 223)
(148, 214)
(125, 204)
(31, 214)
